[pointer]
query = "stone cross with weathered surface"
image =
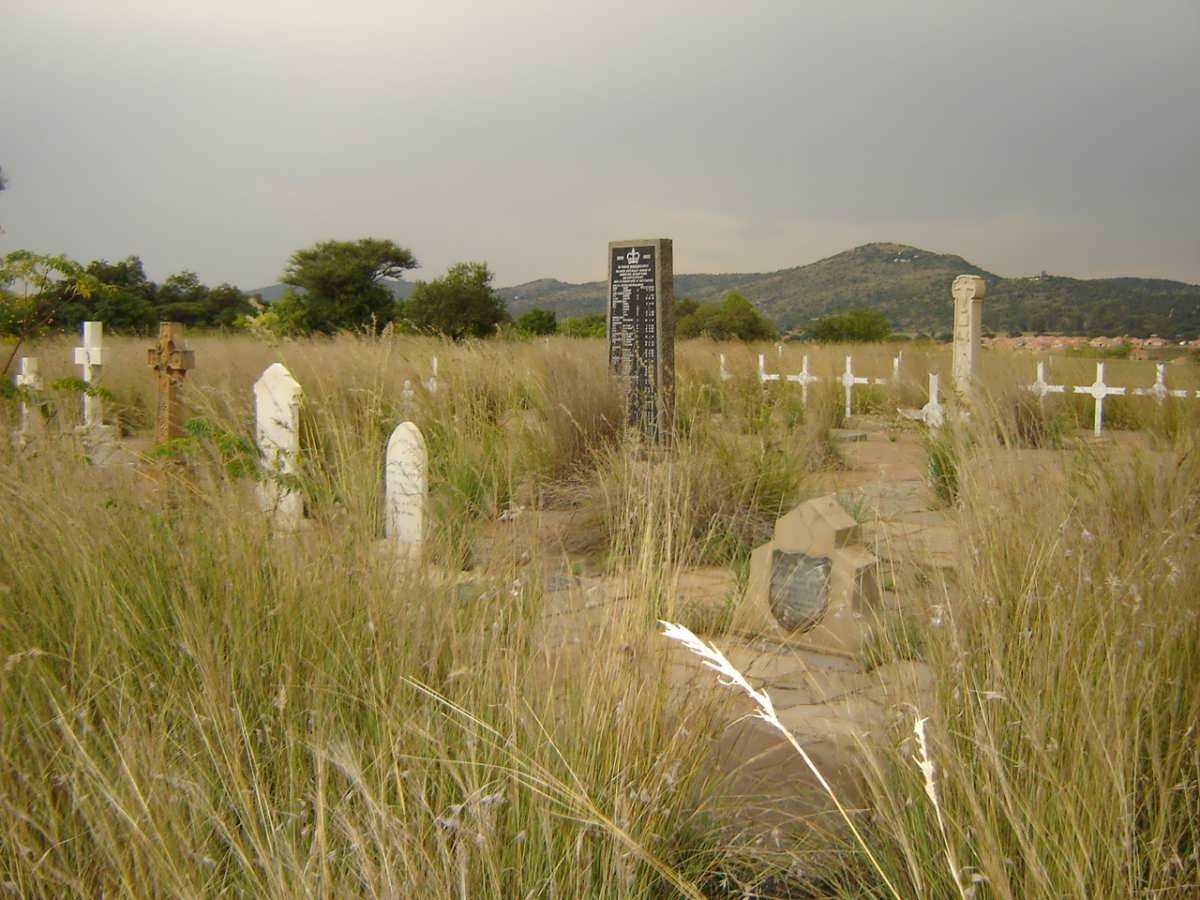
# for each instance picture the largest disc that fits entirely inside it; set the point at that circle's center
(968, 292)
(849, 380)
(1041, 387)
(172, 362)
(29, 378)
(763, 377)
(90, 357)
(406, 480)
(1098, 390)
(1159, 390)
(725, 376)
(277, 431)
(804, 379)
(896, 360)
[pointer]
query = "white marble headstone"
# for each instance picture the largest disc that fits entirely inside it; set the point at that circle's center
(406, 482)
(277, 429)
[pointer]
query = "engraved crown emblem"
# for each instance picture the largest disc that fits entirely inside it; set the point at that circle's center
(632, 257)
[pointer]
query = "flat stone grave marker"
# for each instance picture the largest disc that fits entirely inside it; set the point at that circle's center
(641, 332)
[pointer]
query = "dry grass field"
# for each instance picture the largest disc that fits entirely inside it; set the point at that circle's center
(191, 705)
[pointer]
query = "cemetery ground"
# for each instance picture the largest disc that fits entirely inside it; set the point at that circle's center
(196, 703)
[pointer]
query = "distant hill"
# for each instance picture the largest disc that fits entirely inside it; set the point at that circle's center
(272, 292)
(911, 287)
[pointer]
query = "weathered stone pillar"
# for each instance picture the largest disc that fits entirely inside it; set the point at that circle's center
(968, 292)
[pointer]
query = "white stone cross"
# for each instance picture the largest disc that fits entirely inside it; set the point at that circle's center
(849, 380)
(779, 350)
(277, 429)
(896, 367)
(804, 379)
(1099, 390)
(725, 376)
(406, 482)
(1159, 391)
(30, 378)
(933, 414)
(763, 377)
(1041, 387)
(431, 383)
(91, 358)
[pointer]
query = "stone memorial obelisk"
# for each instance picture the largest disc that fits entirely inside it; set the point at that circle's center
(641, 332)
(968, 292)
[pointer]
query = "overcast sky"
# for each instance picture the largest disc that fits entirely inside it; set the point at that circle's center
(221, 136)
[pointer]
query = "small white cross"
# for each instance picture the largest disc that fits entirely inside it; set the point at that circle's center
(1040, 387)
(779, 350)
(29, 378)
(849, 380)
(933, 413)
(804, 379)
(1099, 390)
(762, 370)
(431, 383)
(91, 358)
(725, 376)
(1159, 391)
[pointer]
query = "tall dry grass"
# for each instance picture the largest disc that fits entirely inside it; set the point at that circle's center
(194, 706)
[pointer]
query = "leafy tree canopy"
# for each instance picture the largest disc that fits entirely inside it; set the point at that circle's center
(538, 321)
(733, 319)
(338, 284)
(593, 325)
(460, 304)
(863, 326)
(32, 289)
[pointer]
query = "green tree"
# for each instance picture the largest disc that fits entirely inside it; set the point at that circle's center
(126, 305)
(32, 290)
(460, 304)
(863, 326)
(538, 321)
(733, 319)
(593, 325)
(182, 298)
(339, 284)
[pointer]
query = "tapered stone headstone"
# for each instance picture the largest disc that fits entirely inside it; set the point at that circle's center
(641, 332)
(406, 483)
(968, 292)
(277, 430)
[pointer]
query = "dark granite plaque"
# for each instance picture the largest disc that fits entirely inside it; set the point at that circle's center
(799, 590)
(641, 333)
